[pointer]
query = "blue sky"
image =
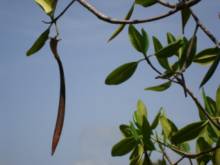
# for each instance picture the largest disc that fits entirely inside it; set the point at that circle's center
(30, 85)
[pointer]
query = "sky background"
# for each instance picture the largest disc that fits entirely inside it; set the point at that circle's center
(29, 89)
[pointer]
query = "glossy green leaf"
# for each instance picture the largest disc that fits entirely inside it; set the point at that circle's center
(121, 27)
(47, 5)
(182, 52)
(211, 71)
(125, 130)
(121, 74)
(39, 43)
(191, 51)
(159, 88)
(136, 38)
(170, 38)
(156, 119)
(188, 132)
(169, 50)
(145, 41)
(168, 126)
(145, 3)
(124, 146)
(157, 47)
(217, 100)
(185, 15)
(209, 107)
(206, 56)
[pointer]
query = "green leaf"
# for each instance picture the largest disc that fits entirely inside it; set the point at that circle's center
(185, 14)
(184, 147)
(182, 53)
(141, 113)
(170, 38)
(125, 130)
(145, 41)
(217, 154)
(188, 132)
(121, 74)
(47, 5)
(156, 119)
(217, 100)
(121, 27)
(136, 155)
(145, 3)
(124, 146)
(206, 56)
(39, 43)
(160, 88)
(211, 71)
(191, 51)
(169, 50)
(168, 126)
(135, 38)
(202, 146)
(210, 105)
(139, 41)
(157, 47)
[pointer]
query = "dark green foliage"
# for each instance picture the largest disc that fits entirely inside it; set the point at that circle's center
(121, 27)
(121, 74)
(39, 43)
(188, 132)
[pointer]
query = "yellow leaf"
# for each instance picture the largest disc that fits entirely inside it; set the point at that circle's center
(47, 5)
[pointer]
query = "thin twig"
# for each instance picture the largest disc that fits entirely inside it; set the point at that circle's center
(166, 4)
(186, 154)
(204, 29)
(178, 161)
(108, 19)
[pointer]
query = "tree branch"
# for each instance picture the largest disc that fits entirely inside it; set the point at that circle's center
(108, 19)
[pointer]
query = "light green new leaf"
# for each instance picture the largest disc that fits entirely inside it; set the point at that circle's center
(188, 132)
(206, 56)
(168, 126)
(47, 5)
(160, 88)
(211, 71)
(170, 38)
(157, 47)
(121, 74)
(121, 27)
(145, 3)
(217, 154)
(141, 109)
(170, 50)
(124, 146)
(185, 14)
(217, 100)
(39, 43)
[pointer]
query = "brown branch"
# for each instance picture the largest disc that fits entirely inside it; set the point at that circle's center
(178, 161)
(166, 4)
(186, 154)
(108, 19)
(204, 29)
